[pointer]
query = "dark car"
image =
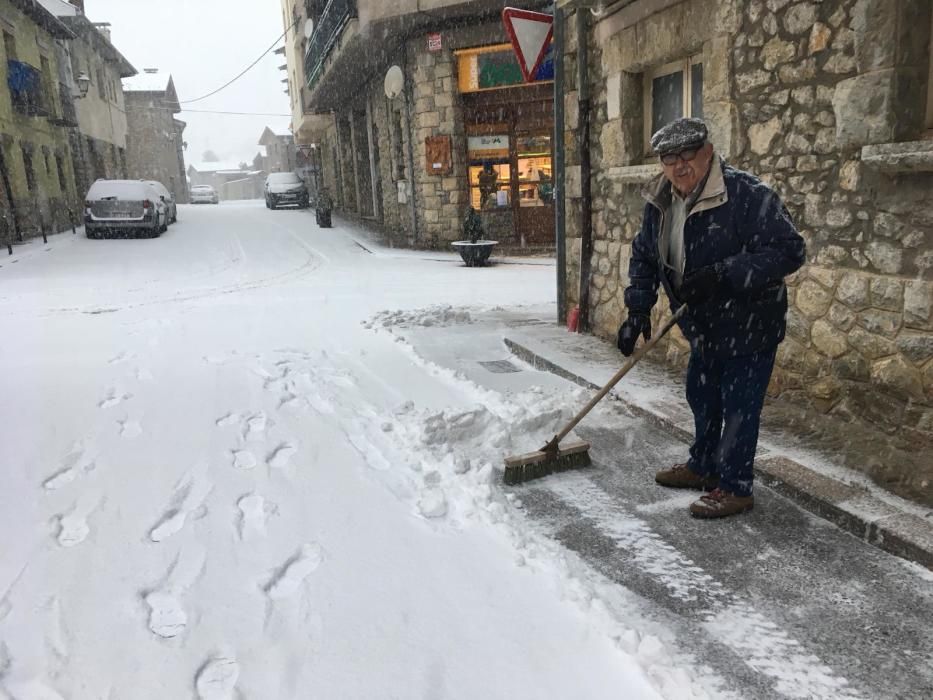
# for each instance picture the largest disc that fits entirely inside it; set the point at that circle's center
(286, 188)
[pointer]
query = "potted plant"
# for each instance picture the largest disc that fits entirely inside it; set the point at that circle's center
(475, 250)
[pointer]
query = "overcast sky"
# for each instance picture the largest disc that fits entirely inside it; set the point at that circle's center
(203, 44)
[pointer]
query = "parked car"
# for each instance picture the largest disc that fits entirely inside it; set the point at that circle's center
(167, 197)
(204, 194)
(126, 207)
(286, 188)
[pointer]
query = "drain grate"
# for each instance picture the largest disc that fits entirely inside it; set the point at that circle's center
(500, 366)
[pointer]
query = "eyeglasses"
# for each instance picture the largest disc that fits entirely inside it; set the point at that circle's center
(685, 155)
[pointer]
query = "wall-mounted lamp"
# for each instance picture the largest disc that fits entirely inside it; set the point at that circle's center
(84, 84)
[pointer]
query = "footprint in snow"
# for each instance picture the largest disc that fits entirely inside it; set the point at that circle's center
(281, 455)
(255, 426)
(130, 429)
(117, 359)
(27, 689)
(226, 420)
(113, 399)
(189, 495)
(244, 459)
(143, 374)
(216, 679)
(77, 461)
(253, 513)
(288, 579)
(167, 616)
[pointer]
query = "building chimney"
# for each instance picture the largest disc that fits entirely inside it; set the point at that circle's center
(103, 28)
(79, 4)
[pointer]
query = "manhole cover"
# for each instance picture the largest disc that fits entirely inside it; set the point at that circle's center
(500, 366)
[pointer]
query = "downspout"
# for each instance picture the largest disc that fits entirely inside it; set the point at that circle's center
(586, 200)
(411, 151)
(560, 207)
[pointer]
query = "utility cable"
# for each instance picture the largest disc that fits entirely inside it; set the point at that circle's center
(245, 71)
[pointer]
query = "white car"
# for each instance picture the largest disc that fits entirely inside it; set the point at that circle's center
(204, 194)
(286, 188)
(167, 197)
(124, 207)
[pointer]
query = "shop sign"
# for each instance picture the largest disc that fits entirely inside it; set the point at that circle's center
(435, 43)
(489, 146)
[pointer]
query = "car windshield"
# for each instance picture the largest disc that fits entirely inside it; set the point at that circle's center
(284, 179)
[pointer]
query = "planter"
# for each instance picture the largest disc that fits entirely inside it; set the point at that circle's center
(322, 218)
(474, 254)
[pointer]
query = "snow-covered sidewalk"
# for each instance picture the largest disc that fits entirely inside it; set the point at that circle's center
(223, 480)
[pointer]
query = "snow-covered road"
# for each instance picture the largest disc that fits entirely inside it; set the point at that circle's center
(221, 480)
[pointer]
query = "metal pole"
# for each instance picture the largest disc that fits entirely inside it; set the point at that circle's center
(560, 207)
(411, 149)
(586, 217)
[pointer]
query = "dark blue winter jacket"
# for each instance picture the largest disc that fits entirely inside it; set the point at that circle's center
(741, 222)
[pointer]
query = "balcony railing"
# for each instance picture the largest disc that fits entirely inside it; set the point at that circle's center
(331, 22)
(25, 84)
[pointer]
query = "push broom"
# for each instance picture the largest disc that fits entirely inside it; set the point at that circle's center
(552, 457)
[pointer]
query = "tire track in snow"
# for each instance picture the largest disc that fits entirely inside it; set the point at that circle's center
(727, 617)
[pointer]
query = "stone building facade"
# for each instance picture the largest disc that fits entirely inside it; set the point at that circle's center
(37, 184)
(830, 103)
(406, 161)
(155, 138)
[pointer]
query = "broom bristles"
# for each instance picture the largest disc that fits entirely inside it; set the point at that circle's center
(534, 465)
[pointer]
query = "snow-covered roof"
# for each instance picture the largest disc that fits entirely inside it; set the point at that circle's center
(59, 8)
(147, 82)
(218, 166)
(280, 130)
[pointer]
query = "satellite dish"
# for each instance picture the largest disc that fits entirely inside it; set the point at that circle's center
(395, 82)
(309, 28)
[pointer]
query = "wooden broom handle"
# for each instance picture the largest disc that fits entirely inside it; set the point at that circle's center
(633, 360)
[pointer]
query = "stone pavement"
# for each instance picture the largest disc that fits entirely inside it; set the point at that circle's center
(780, 602)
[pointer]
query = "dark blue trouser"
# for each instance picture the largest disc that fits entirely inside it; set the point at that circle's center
(726, 396)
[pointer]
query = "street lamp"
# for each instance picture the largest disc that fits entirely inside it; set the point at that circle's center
(84, 84)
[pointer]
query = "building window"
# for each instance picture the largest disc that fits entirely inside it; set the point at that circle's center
(48, 100)
(672, 91)
(101, 88)
(45, 157)
(61, 172)
(9, 45)
(30, 173)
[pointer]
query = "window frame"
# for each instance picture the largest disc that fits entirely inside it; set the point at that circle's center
(683, 66)
(928, 122)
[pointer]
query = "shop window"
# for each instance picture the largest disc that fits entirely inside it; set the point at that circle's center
(672, 91)
(490, 171)
(61, 173)
(535, 184)
(30, 173)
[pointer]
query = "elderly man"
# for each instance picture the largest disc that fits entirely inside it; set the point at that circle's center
(721, 242)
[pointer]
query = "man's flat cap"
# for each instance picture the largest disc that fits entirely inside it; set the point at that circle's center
(678, 135)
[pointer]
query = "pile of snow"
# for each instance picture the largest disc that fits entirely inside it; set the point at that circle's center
(441, 316)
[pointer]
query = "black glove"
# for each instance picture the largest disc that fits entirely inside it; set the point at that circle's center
(634, 326)
(702, 284)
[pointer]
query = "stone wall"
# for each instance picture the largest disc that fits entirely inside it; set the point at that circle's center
(153, 143)
(798, 93)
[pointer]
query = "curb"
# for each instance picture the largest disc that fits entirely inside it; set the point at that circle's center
(850, 507)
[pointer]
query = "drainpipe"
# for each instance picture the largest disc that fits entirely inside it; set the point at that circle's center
(586, 200)
(560, 207)
(411, 150)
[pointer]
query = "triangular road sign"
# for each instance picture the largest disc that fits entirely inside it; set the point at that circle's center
(530, 33)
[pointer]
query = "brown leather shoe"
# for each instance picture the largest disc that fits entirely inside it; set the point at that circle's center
(680, 477)
(721, 504)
